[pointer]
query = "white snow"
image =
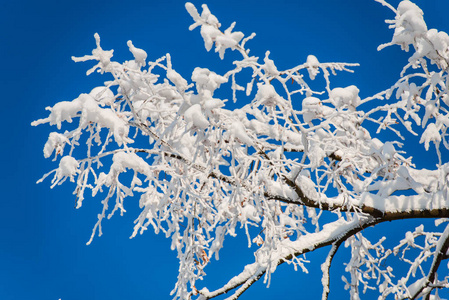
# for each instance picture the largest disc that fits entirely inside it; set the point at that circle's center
(177, 79)
(316, 155)
(346, 97)
(431, 134)
(87, 109)
(194, 116)
(238, 131)
(102, 56)
(103, 95)
(312, 108)
(312, 66)
(68, 168)
(307, 186)
(129, 160)
(267, 95)
(56, 141)
(269, 66)
(210, 169)
(207, 80)
(140, 55)
(388, 150)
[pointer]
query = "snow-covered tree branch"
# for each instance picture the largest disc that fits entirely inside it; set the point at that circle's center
(294, 167)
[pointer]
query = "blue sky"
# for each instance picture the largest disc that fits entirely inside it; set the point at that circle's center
(42, 237)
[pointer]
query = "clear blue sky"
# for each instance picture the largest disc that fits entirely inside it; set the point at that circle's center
(43, 255)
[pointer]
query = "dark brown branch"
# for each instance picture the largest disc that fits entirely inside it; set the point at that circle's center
(439, 255)
(370, 221)
(364, 222)
(303, 199)
(364, 209)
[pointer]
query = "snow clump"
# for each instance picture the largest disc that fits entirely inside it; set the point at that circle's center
(68, 168)
(56, 141)
(312, 66)
(312, 108)
(91, 113)
(346, 97)
(139, 55)
(210, 32)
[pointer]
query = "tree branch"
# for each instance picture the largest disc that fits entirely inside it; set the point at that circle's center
(325, 267)
(439, 255)
(331, 234)
(335, 232)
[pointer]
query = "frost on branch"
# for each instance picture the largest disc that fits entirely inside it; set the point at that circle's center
(293, 169)
(210, 30)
